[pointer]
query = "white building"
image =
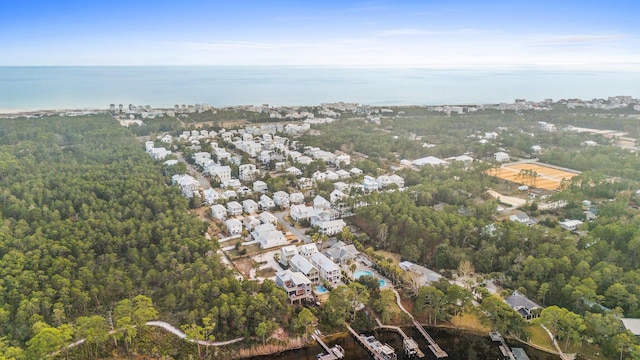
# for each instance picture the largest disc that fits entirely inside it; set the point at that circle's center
(430, 160)
(321, 204)
(250, 222)
(369, 183)
(221, 173)
(300, 264)
(250, 206)
(301, 212)
(570, 225)
(286, 253)
(501, 156)
(266, 203)
(329, 271)
(295, 284)
(211, 196)
(268, 218)
(218, 212)
(307, 250)
(281, 199)
(294, 171)
(260, 186)
(331, 227)
(296, 198)
(234, 208)
(234, 226)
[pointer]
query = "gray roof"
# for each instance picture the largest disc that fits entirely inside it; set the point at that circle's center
(517, 301)
(632, 325)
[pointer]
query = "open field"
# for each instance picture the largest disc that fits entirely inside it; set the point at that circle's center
(547, 177)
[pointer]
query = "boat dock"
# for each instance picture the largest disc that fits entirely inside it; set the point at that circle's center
(504, 348)
(367, 345)
(410, 346)
(334, 353)
(433, 346)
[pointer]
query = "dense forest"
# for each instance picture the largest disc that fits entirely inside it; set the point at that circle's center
(87, 221)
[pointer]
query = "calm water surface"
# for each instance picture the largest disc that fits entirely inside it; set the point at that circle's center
(458, 345)
(38, 88)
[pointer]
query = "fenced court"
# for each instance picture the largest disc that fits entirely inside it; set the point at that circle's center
(533, 174)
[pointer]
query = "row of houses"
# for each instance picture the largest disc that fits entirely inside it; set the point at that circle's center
(307, 267)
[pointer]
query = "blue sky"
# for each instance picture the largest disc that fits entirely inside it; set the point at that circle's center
(440, 34)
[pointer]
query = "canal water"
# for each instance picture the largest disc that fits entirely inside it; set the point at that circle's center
(459, 345)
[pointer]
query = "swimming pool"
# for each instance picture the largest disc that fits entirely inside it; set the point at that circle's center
(320, 289)
(361, 273)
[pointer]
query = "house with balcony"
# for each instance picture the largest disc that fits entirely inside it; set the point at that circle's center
(286, 253)
(301, 212)
(369, 183)
(234, 226)
(234, 208)
(296, 198)
(250, 206)
(296, 285)
(250, 222)
(218, 212)
(300, 264)
(266, 203)
(307, 250)
(268, 218)
(329, 271)
(342, 254)
(281, 199)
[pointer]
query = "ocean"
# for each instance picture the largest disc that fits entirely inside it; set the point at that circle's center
(40, 88)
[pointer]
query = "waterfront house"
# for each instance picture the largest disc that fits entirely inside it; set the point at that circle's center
(300, 264)
(295, 284)
(329, 271)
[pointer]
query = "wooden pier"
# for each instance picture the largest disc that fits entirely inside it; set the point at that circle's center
(433, 346)
(365, 344)
(410, 346)
(334, 353)
(504, 348)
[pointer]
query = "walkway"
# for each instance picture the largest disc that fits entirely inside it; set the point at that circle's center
(563, 356)
(170, 328)
(433, 346)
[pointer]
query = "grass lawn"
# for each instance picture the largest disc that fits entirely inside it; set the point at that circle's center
(388, 254)
(470, 321)
(540, 337)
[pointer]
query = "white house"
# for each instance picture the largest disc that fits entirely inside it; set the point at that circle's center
(268, 218)
(501, 156)
(250, 222)
(266, 203)
(301, 212)
(234, 208)
(336, 196)
(281, 199)
(269, 239)
(248, 172)
(307, 250)
(300, 264)
(343, 174)
(286, 253)
(221, 173)
(305, 183)
(294, 171)
(329, 271)
(430, 160)
(211, 196)
(570, 225)
(342, 159)
(229, 194)
(260, 186)
(231, 183)
(188, 185)
(369, 183)
(355, 171)
(341, 253)
(296, 198)
(331, 227)
(295, 284)
(218, 212)
(234, 226)
(250, 206)
(320, 203)
(332, 176)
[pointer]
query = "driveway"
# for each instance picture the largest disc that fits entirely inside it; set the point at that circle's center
(192, 170)
(297, 232)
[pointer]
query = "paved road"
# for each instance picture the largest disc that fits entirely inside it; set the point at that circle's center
(297, 232)
(193, 171)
